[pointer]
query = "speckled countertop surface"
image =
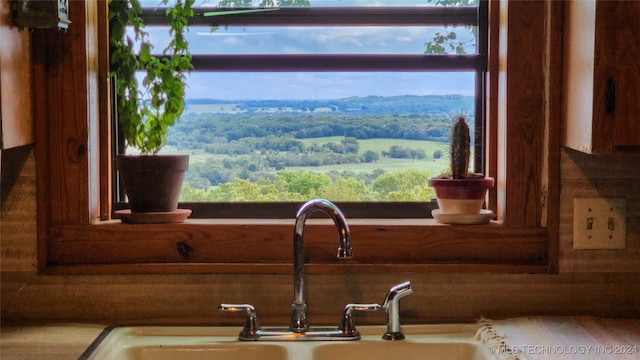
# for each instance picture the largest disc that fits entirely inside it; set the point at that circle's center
(46, 341)
(570, 337)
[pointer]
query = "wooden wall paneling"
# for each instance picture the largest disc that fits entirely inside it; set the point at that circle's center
(195, 243)
(18, 210)
(550, 217)
(437, 297)
(65, 116)
(601, 76)
(62, 118)
(526, 95)
(602, 175)
(604, 69)
(627, 40)
(69, 145)
(16, 85)
(602, 283)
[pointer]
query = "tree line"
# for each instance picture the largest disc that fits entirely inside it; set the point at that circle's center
(287, 185)
(197, 131)
(253, 165)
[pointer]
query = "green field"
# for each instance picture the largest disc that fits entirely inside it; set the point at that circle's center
(388, 164)
(377, 145)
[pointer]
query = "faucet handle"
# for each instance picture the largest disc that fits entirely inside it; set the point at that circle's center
(347, 325)
(392, 307)
(251, 324)
(396, 293)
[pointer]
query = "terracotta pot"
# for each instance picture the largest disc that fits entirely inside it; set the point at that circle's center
(461, 196)
(152, 182)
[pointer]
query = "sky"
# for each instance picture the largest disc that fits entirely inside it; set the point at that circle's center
(319, 40)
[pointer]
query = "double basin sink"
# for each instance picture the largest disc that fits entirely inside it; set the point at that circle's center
(439, 341)
(443, 342)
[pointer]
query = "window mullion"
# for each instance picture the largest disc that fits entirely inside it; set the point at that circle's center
(332, 62)
(321, 16)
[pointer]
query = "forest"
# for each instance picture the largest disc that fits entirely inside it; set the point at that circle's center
(285, 150)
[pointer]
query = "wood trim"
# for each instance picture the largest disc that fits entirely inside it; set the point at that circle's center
(60, 70)
(626, 132)
(43, 144)
(68, 240)
(414, 242)
(604, 68)
(63, 107)
(553, 115)
(525, 113)
(287, 268)
(492, 95)
(104, 112)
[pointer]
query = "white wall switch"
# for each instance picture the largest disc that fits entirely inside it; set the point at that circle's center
(599, 223)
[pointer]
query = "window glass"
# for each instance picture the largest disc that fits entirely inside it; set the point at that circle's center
(290, 135)
(313, 39)
(359, 131)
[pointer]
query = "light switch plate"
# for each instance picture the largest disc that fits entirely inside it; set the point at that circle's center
(599, 223)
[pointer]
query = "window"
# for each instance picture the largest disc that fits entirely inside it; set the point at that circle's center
(77, 236)
(275, 93)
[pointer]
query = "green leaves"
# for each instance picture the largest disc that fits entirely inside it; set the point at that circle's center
(401, 185)
(448, 42)
(147, 110)
(444, 43)
(145, 53)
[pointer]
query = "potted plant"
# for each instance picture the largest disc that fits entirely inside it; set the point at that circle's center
(460, 194)
(147, 109)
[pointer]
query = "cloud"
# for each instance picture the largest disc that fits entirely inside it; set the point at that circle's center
(310, 85)
(202, 33)
(320, 40)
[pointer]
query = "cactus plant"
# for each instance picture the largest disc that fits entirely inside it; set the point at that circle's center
(461, 192)
(460, 149)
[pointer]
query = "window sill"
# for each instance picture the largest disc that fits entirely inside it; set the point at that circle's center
(266, 246)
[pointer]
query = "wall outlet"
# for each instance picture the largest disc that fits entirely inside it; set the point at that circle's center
(599, 223)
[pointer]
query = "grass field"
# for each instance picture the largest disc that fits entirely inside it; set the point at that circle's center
(379, 145)
(435, 166)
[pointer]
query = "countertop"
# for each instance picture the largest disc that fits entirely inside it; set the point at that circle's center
(554, 337)
(46, 341)
(562, 338)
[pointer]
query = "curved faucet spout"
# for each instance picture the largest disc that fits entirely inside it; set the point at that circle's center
(299, 321)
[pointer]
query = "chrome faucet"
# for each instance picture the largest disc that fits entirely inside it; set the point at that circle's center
(392, 306)
(299, 325)
(299, 321)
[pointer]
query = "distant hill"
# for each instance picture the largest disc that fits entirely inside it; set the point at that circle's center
(208, 121)
(370, 105)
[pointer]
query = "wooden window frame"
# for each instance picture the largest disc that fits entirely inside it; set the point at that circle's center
(73, 186)
(349, 62)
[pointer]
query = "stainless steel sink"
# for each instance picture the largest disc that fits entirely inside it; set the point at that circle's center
(213, 351)
(178, 342)
(455, 341)
(405, 350)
